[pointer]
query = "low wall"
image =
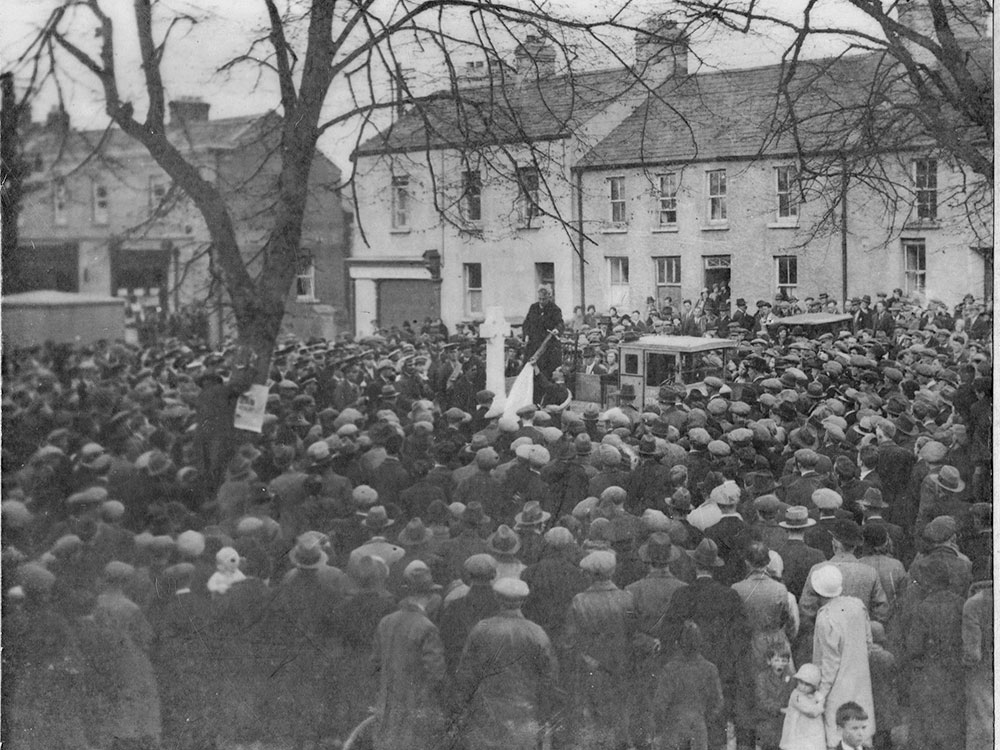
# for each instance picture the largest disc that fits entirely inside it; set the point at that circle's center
(32, 318)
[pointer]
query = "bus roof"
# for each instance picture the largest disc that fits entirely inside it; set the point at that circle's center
(813, 319)
(684, 344)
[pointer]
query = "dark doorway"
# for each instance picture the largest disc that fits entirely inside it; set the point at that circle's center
(408, 300)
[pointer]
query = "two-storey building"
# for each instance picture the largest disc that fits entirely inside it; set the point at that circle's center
(469, 200)
(693, 189)
(101, 217)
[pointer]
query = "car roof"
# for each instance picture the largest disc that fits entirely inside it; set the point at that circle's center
(685, 344)
(813, 319)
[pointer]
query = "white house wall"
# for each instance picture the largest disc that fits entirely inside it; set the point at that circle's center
(753, 235)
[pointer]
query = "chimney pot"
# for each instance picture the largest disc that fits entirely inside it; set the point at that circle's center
(188, 109)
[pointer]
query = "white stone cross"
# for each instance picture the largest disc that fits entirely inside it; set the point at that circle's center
(495, 329)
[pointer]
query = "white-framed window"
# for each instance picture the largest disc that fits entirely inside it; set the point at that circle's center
(666, 215)
(472, 196)
(716, 184)
(60, 203)
(915, 267)
(786, 183)
(527, 198)
(158, 187)
(305, 280)
(667, 272)
(400, 209)
(618, 278)
(787, 269)
(616, 196)
(925, 184)
(473, 273)
(99, 198)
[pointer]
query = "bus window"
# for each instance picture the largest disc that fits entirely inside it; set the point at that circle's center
(660, 368)
(631, 364)
(692, 368)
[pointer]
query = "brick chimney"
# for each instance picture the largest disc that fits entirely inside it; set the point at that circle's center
(662, 47)
(188, 109)
(534, 59)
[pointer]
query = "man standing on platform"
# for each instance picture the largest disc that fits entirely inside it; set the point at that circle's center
(543, 316)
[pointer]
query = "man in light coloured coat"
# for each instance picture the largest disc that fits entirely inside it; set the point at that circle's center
(841, 639)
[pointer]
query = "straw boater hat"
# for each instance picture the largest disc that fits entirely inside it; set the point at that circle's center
(797, 517)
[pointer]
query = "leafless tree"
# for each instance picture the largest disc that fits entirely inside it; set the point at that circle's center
(913, 77)
(315, 50)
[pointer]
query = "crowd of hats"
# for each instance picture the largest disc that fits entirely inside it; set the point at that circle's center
(99, 461)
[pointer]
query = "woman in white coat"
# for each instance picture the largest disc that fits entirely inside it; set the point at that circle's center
(841, 639)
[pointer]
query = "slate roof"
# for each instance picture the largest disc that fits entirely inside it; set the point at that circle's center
(545, 109)
(738, 114)
(223, 133)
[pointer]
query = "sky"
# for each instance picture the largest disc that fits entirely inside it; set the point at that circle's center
(226, 29)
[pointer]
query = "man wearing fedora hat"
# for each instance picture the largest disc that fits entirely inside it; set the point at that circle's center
(858, 580)
(507, 675)
(942, 493)
(873, 504)
(718, 612)
(797, 556)
(652, 596)
(528, 524)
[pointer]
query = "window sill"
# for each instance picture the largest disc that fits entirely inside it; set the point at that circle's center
(526, 228)
(783, 224)
(921, 225)
(400, 230)
(720, 227)
(615, 229)
(666, 230)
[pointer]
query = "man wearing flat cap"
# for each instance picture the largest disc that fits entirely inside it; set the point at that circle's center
(596, 649)
(507, 675)
(940, 542)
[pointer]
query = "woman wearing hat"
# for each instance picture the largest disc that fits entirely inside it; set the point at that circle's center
(840, 648)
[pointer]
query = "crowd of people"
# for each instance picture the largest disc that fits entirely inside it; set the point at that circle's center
(797, 556)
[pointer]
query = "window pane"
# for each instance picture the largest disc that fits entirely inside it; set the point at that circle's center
(472, 192)
(668, 199)
(475, 301)
(474, 275)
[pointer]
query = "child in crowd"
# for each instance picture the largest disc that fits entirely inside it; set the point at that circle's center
(803, 727)
(773, 689)
(884, 688)
(852, 721)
